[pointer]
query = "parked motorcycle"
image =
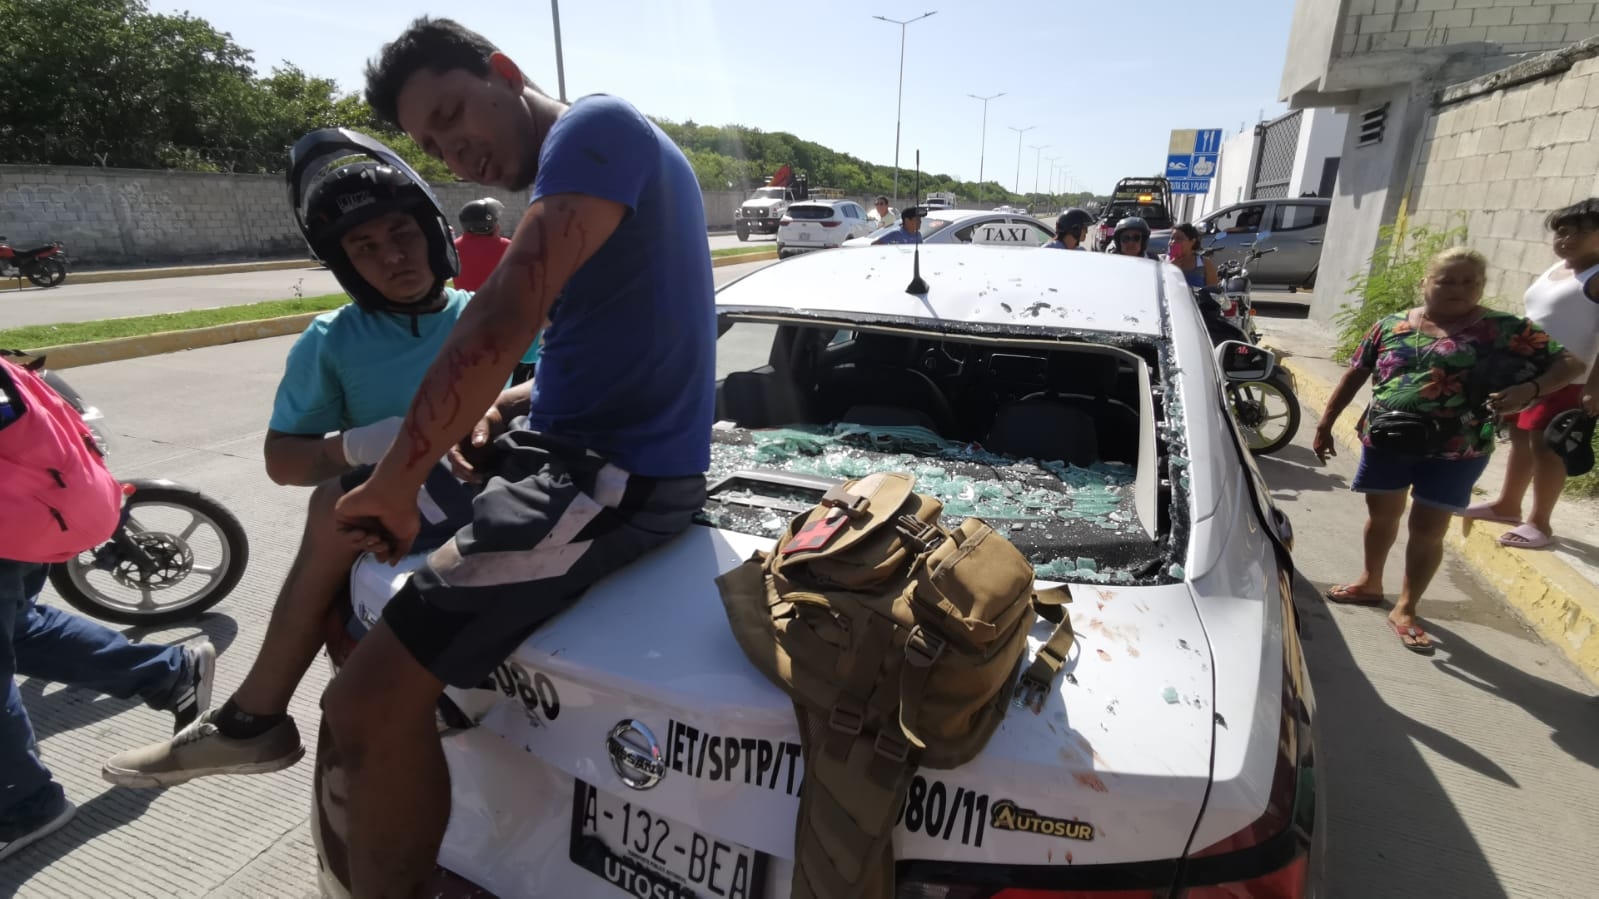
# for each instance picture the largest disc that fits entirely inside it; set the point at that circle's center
(176, 552)
(44, 265)
(1267, 409)
(1238, 304)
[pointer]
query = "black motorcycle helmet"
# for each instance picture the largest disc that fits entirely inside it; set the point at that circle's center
(1074, 222)
(481, 216)
(331, 193)
(1130, 223)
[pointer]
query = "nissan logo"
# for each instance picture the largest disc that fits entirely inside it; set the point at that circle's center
(635, 754)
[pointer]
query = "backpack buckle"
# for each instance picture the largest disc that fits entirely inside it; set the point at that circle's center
(891, 746)
(919, 532)
(853, 505)
(846, 720)
(921, 648)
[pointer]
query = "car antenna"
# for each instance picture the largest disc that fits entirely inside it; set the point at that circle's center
(917, 286)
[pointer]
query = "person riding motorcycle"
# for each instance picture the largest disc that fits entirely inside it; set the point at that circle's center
(481, 248)
(1131, 238)
(1070, 230)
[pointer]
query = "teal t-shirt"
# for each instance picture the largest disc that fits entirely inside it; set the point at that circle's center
(352, 368)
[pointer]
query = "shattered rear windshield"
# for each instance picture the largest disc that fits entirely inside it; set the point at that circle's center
(1073, 524)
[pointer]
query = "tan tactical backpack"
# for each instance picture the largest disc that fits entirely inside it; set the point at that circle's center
(899, 640)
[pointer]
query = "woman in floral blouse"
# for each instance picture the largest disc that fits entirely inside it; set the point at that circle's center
(1443, 372)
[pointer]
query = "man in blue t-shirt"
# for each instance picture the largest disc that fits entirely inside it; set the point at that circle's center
(596, 461)
(910, 228)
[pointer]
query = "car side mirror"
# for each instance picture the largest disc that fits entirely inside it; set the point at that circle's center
(1242, 362)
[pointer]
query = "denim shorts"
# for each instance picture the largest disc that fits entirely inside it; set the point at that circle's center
(1445, 483)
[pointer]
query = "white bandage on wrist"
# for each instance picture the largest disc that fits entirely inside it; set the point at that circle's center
(367, 444)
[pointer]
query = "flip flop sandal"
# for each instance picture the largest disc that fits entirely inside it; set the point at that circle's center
(1570, 435)
(1485, 512)
(1410, 636)
(1345, 595)
(1525, 536)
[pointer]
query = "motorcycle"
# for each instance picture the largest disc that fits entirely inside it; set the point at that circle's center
(1266, 410)
(1239, 305)
(44, 265)
(175, 553)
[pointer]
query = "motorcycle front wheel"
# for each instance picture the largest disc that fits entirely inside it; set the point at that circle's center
(199, 550)
(1267, 413)
(47, 272)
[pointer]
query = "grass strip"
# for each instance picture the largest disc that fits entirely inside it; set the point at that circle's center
(34, 336)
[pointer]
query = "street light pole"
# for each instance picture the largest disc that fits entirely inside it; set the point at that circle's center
(983, 146)
(899, 104)
(1019, 133)
(560, 66)
(1052, 167)
(1038, 160)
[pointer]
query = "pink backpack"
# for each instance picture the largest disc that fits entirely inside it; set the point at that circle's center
(58, 497)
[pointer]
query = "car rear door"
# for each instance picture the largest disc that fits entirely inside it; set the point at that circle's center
(1296, 230)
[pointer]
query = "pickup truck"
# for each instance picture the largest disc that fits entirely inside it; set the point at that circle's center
(1147, 198)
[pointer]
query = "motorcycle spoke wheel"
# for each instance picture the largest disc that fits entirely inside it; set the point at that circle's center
(48, 273)
(192, 554)
(1267, 413)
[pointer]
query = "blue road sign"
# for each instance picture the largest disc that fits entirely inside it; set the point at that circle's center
(1192, 159)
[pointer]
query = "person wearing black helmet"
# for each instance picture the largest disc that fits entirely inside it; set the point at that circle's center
(1131, 238)
(352, 373)
(1070, 229)
(481, 248)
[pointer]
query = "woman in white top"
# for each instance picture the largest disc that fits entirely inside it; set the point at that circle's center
(1564, 302)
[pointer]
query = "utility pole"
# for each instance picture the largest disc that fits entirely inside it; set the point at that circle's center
(983, 146)
(899, 104)
(1038, 160)
(560, 66)
(1019, 133)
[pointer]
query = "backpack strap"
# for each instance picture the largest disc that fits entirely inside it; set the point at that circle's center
(1051, 606)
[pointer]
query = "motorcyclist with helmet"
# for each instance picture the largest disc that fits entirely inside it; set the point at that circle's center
(1070, 230)
(481, 249)
(481, 246)
(1131, 238)
(347, 384)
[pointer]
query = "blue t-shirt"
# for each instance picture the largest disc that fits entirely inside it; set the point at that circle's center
(628, 366)
(1060, 245)
(900, 236)
(352, 368)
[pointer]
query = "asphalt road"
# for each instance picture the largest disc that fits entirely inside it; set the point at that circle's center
(1469, 774)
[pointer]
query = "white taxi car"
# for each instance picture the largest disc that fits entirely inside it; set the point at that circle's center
(990, 228)
(821, 225)
(1072, 400)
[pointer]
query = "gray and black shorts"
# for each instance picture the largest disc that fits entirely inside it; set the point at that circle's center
(551, 521)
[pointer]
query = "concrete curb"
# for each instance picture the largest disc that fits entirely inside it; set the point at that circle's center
(72, 355)
(1559, 602)
(181, 271)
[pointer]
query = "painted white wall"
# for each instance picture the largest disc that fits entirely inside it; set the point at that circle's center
(1321, 135)
(1232, 172)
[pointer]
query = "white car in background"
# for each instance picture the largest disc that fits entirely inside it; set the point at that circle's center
(821, 225)
(984, 227)
(1074, 401)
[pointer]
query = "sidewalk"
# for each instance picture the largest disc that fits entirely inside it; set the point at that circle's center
(1554, 589)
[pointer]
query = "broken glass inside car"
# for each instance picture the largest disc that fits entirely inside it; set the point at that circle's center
(1059, 444)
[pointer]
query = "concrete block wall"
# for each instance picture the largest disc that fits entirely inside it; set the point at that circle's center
(1515, 26)
(1499, 161)
(120, 217)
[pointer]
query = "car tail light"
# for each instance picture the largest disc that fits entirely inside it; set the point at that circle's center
(831, 224)
(785, 220)
(1285, 883)
(939, 891)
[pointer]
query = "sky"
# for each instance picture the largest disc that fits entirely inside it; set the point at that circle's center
(1101, 84)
